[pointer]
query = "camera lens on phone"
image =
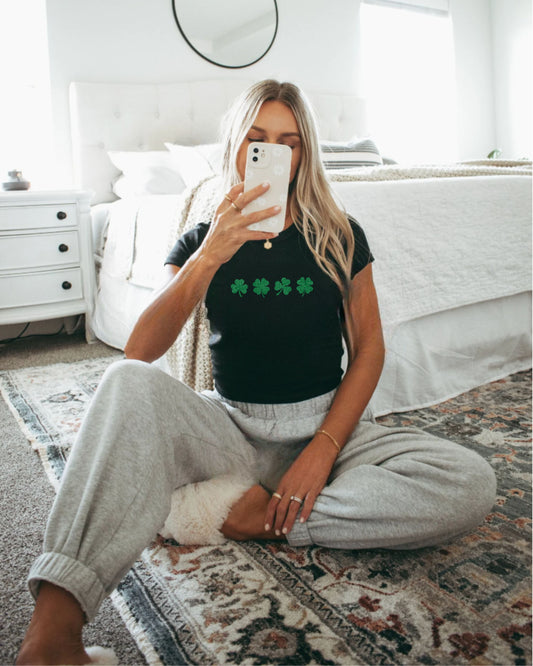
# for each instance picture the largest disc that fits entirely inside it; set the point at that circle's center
(256, 150)
(254, 159)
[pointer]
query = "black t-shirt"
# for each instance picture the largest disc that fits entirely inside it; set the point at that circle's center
(274, 315)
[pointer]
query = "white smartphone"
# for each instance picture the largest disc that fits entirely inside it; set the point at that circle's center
(268, 163)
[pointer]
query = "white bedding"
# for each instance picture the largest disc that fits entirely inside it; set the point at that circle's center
(130, 242)
(441, 243)
(134, 233)
(451, 270)
(439, 356)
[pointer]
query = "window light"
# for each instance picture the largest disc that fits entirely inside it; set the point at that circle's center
(408, 79)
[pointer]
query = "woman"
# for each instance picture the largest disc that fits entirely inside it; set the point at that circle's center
(282, 414)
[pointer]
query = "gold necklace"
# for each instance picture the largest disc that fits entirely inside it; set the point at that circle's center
(267, 244)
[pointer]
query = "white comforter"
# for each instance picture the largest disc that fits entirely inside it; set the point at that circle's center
(444, 243)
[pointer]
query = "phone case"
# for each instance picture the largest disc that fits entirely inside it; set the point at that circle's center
(268, 163)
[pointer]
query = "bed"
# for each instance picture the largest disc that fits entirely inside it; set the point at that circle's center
(452, 242)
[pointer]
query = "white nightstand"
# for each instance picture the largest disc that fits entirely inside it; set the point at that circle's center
(46, 257)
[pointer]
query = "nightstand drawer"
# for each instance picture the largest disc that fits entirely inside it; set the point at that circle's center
(39, 288)
(37, 217)
(46, 259)
(32, 251)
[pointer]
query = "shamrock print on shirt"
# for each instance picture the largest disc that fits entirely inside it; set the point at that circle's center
(304, 285)
(261, 287)
(239, 287)
(283, 286)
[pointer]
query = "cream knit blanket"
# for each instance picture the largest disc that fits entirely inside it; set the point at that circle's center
(398, 172)
(189, 358)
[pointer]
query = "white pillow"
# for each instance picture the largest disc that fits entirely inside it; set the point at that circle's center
(354, 153)
(145, 172)
(196, 162)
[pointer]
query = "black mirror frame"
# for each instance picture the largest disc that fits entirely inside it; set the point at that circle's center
(213, 62)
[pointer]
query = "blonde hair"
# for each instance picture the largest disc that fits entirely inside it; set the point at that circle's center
(313, 207)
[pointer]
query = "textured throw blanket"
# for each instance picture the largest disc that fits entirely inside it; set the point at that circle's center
(189, 358)
(398, 172)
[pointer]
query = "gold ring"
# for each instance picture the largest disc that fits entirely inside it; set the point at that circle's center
(296, 499)
(276, 495)
(236, 207)
(228, 198)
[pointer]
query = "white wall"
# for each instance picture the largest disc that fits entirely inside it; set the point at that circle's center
(494, 77)
(138, 41)
(316, 47)
(476, 122)
(511, 30)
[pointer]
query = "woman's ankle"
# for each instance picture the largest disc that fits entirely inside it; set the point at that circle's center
(61, 651)
(55, 631)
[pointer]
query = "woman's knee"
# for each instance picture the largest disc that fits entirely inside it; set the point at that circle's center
(459, 485)
(127, 370)
(128, 378)
(126, 409)
(127, 392)
(484, 481)
(474, 491)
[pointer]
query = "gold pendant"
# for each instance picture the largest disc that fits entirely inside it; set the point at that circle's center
(267, 245)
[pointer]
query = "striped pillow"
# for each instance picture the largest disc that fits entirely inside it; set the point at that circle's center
(339, 155)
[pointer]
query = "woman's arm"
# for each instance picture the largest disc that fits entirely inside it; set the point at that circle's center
(308, 475)
(368, 354)
(161, 322)
(183, 288)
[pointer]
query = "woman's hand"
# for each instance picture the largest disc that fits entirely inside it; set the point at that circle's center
(304, 479)
(229, 229)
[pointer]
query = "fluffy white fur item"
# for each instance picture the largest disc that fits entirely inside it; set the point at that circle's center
(199, 510)
(102, 656)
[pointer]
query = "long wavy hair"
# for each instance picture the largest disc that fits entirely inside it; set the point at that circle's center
(313, 207)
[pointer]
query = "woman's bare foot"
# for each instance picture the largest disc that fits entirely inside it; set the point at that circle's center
(55, 632)
(246, 519)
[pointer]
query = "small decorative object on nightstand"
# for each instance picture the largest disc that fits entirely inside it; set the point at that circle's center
(46, 258)
(16, 182)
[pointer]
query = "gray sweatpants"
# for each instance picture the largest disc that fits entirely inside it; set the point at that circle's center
(146, 434)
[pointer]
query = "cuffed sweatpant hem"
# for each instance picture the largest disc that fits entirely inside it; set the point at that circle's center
(299, 535)
(72, 576)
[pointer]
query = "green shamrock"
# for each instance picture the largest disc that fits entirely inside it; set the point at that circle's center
(283, 286)
(261, 287)
(305, 285)
(239, 287)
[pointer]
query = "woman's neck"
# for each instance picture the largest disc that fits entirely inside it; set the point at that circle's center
(288, 216)
(288, 222)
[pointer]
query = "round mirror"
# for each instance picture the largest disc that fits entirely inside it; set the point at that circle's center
(230, 33)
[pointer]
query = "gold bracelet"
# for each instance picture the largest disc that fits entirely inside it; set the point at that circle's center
(323, 432)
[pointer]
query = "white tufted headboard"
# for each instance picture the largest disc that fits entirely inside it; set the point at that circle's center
(108, 116)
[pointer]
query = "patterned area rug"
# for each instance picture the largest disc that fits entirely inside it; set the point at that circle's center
(467, 602)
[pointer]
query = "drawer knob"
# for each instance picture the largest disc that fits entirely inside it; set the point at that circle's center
(63, 248)
(61, 215)
(66, 285)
